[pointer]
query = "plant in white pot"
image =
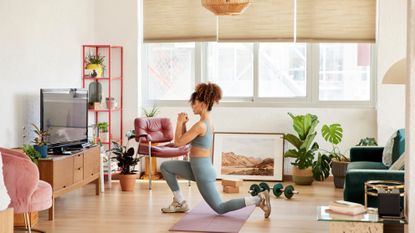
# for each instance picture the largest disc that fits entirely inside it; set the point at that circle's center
(306, 168)
(334, 134)
(126, 161)
(103, 131)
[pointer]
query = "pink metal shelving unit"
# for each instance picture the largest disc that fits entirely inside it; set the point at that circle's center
(107, 50)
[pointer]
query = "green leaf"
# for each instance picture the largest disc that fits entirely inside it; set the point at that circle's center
(291, 153)
(332, 133)
(294, 140)
(321, 167)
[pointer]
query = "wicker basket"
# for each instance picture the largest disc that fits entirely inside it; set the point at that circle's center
(226, 7)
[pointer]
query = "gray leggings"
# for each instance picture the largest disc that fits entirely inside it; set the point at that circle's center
(201, 171)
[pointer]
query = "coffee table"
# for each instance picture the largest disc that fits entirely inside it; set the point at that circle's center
(368, 222)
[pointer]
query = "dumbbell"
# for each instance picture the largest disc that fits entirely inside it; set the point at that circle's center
(288, 191)
(255, 189)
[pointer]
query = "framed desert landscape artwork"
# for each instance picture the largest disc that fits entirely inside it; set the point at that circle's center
(248, 156)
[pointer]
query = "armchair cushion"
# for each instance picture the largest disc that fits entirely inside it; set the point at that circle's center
(366, 165)
(157, 129)
(164, 151)
(394, 148)
(4, 196)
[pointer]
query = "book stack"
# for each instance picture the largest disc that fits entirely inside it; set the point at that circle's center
(346, 207)
(231, 185)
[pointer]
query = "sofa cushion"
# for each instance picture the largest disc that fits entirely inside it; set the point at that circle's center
(394, 148)
(398, 164)
(366, 165)
(398, 145)
(387, 151)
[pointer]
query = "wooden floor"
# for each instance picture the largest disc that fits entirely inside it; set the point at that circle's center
(139, 211)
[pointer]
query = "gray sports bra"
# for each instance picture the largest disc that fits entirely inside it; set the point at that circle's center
(204, 141)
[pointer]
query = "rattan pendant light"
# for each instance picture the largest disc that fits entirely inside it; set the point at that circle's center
(226, 7)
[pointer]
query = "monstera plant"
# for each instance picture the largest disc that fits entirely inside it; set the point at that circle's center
(334, 134)
(305, 148)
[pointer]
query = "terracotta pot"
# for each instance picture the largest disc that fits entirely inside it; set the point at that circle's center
(338, 169)
(302, 176)
(127, 182)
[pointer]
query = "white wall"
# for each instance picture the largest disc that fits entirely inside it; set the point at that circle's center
(356, 122)
(391, 43)
(40, 46)
(117, 24)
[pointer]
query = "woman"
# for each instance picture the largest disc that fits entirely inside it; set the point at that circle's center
(200, 168)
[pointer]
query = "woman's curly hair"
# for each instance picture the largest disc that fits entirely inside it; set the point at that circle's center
(208, 93)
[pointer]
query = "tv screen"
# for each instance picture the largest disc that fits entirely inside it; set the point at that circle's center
(64, 114)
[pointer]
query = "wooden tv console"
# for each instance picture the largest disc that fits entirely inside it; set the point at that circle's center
(66, 173)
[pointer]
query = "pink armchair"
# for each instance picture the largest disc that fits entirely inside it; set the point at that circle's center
(156, 130)
(26, 191)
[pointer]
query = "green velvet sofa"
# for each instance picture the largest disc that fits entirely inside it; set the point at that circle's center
(366, 164)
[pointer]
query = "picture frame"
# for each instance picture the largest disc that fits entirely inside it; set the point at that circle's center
(248, 156)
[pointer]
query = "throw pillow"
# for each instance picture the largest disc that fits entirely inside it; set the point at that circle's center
(398, 164)
(4, 197)
(387, 151)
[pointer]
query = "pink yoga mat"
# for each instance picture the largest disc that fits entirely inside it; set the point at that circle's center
(203, 219)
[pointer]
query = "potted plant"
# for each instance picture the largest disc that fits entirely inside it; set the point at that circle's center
(305, 168)
(33, 154)
(367, 142)
(40, 141)
(103, 131)
(152, 112)
(126, 161)
(95, 65)
(334, 134)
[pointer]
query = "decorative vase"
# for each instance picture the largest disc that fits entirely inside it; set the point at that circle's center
(127, 182)
(43, 150)
(338, 169)
(95, 92)
(111, 103)
(302, 176)
(95, 67)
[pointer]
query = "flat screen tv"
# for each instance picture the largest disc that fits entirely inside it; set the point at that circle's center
(64, 114)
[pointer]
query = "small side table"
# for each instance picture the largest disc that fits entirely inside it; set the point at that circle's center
(373, 186)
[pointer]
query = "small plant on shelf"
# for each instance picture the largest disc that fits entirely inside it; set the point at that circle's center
(40, 141)
(126, 161)
(95, 65)
(103, 131)
(33, 154)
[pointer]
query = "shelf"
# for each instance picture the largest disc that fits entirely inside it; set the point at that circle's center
(90, 78)
(105, 110)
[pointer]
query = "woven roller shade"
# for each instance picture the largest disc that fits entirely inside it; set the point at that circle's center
(177, 20)
(263, 20)
(336, 21)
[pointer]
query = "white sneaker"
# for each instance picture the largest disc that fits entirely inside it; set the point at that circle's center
(176, 207)
(265, 203)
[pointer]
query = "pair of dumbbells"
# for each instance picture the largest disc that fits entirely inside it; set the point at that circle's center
(277, 190)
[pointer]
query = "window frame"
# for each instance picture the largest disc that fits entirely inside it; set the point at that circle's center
(312, 83)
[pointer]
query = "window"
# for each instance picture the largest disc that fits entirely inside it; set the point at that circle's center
(230, 65)
(282, 70)
(266, 73)
(344, 72)
(169, 71)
